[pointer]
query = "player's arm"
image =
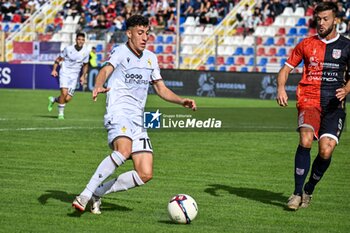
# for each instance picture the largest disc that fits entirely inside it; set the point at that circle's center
(84, 73)
(55, 65)
(166, 94)
(101, 79)
(282, 97)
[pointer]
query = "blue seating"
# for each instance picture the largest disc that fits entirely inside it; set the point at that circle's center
(169, 40)
(239, 51)
(99, 57)
(159, 49)
(230, 61)
(99, 48)
(244, 69)
(301, 22)
(283, 60)
(6, 28)
(263, 61)
(210, 60)
(222, 68)
(249, 51)
(211, 68)
(159, 39)
(15, 28)
(290, 42)
(250, 61)
(292, 32)
(269, 41)
(303, 32)
(281, 52)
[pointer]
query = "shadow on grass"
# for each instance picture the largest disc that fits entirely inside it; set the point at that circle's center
(47, 116)
(264, 196)
(69, 197)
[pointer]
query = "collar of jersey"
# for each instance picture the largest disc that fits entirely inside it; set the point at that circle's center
(127, 45)
(329, 41)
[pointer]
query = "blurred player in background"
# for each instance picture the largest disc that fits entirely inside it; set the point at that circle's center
(130, 68)
(321, 99)
(75, 60)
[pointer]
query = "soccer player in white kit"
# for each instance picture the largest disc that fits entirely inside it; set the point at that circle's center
(130, 68)
(75, 60)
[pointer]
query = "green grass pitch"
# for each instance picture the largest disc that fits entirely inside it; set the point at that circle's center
(240, 180)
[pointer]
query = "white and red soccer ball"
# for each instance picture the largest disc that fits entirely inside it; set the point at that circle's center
(182, 208)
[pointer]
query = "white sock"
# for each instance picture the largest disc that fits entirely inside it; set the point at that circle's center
(61, 109)
(123, 182)
(103, 171)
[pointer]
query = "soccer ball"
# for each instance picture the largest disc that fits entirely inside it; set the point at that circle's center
(182, 208)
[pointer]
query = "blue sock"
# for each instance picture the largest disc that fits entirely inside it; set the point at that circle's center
(319, 167)
(301, 169)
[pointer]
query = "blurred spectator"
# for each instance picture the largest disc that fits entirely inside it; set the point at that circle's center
(82, 23)
(56, 25)
(341, 26)
(93, 58)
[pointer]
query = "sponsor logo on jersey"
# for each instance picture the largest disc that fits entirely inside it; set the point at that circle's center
(336, 54)
(135, 79)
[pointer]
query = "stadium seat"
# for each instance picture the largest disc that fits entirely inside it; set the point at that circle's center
(281, 52)
(261, 51)
(291, 22)
(159, 39)
(170, 66)
(299, 11)
(240, 61)
(170, 39)
(220, 60)
(250, 62)
(16, 28)
(272, 51)
(292, 32)
(262, 62)
(259, 40)
(244, 69)
(6, 28)
(249, 51)
(210, 60)
(279, 21)
(160, 58)
(269, 41)
(229, 50)
(211, 68)
(270, 31)
(151, 38)
(288, 11)
(303, 32)
(230, 61)
(190, 21)
(221, 50)
(232, 68)
(268, 21)
(238, 40)
(222, 68)
(281, 41)
(169, 59)
(99, 57)
(228, 40)
(283, 60)
(273, 60)
(259, 31)
(239, 51)
(150, 47)
(159, 49)
(290, 41)
(201, 67)
(249, 40)
(99, 48)
(301, 22)
(169, 49)
(281, 31)
(263, 70)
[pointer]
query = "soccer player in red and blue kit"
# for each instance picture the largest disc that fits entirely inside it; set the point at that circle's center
(320, 99)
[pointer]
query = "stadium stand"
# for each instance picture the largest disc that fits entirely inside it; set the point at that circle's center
(242, 32)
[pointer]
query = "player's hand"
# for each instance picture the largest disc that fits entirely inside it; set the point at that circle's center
(82, 79)
(282, 98)
(189, 103)
(98, 90)
(341, 93)
(54, 73)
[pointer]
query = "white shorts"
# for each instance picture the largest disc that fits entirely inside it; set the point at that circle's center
(69, 82)
(122, 126)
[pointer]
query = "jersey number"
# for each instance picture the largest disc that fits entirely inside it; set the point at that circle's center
(146, 142)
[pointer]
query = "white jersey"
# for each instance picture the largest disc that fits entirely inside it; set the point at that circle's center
(73, 61)
(130, 81)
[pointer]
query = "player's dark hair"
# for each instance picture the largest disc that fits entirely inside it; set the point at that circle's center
(80, 34)
(137, 20)
(325, 6)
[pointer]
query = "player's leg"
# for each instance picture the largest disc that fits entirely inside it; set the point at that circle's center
(122, 150)
(52, 101)
(308, 129)
(62, 102)
(331, 127)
